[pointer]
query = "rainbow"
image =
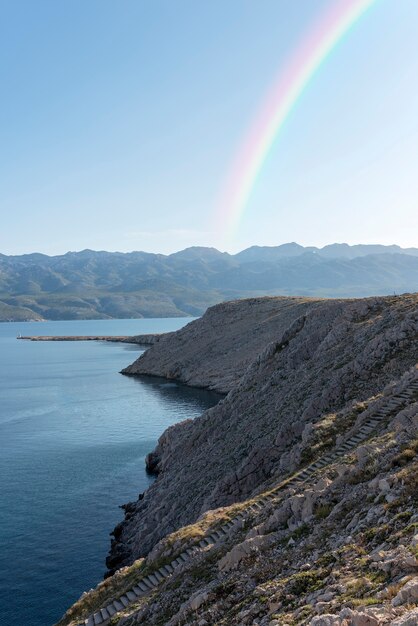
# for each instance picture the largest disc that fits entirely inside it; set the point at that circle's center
(277, 106)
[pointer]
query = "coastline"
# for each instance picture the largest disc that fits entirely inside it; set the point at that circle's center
(147, 340)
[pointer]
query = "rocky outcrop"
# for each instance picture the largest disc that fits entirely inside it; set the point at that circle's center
(216, 350)
(287, 362)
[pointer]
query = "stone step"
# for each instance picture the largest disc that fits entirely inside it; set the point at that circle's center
(184, 557)
(211, 539)
(143, 587)
(352, 443)
(90, 621)
(111, 610)
(203, 543)
(98, 619)
(317, 464)
(138, 592)
(148, 582)
(105, 614)
(168, 568)
(161, 573)
(158, 576)
(131, 596)
(125, 600)
(118, 606)
(153, 579)
(322, 463)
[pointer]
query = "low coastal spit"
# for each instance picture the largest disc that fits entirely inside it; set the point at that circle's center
(146, 340)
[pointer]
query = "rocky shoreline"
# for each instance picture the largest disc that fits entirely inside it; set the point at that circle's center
(304, 378)
(283, 362)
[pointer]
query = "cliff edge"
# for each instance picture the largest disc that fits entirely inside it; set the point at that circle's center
(287, 361)
(294, 499)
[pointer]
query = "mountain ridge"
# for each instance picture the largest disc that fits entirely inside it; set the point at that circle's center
(98, 284)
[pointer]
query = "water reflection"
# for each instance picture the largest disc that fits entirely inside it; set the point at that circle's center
(175, 393)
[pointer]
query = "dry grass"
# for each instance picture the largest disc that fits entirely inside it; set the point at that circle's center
(106, 591)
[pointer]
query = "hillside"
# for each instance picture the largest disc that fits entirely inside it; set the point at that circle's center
(93, 285)
(292, 501)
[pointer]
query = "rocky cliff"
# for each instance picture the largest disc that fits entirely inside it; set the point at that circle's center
(215, 350)
(302, 480)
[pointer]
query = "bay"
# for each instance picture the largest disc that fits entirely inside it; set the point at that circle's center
(74, 434)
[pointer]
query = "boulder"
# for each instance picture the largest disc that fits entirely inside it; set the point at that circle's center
(239, 552)
(358, 618)
(408, 594)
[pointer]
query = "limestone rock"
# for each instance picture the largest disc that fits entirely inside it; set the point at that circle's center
(408, 594)
(408, 619)
(277, 359)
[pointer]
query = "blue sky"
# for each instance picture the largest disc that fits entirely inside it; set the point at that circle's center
(119, 122)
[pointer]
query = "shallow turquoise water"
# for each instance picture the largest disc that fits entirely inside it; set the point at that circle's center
(73, 437)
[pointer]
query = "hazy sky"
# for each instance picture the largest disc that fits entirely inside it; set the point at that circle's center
(119, 122)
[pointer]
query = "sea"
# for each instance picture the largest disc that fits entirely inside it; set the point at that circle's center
(74, 434)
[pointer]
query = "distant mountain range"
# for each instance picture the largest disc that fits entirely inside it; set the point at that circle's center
(97, 285)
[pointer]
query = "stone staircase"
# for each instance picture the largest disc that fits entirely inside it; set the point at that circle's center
(303, 477)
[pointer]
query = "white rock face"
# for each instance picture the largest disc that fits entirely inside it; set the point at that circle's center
(242, 550)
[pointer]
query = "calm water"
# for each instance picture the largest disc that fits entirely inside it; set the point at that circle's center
(73, 437)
